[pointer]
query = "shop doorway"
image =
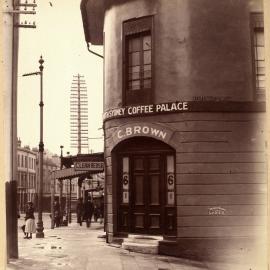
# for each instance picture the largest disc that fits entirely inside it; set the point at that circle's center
(146, 202)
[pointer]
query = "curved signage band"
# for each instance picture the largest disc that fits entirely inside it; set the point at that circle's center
(156, 131)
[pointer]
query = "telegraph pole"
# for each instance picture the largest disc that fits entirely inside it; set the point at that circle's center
(11, 10)
(79, 114)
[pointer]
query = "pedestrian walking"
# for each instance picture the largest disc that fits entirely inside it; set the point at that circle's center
(79, 211)
(30, 226)
(57, 215)
(88, 211)
(101, 210)
(96, 212)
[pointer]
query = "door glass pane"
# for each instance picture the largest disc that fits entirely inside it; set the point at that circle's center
(170, 199)
(139, 200)
(125, 165)
(154, 189)
(170, 164)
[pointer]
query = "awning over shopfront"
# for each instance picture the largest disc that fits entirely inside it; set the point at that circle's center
(69, 173)
(83, 165)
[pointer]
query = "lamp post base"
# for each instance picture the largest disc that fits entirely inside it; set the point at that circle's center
(40, 228)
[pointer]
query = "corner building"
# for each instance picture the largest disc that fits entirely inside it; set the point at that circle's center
(184, 116)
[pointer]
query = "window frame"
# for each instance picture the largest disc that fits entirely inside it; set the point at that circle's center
(256, 25)
(132, 28)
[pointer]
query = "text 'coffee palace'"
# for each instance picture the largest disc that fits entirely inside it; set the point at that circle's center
(146, 109)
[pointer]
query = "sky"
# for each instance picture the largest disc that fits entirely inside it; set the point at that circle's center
(59, 38)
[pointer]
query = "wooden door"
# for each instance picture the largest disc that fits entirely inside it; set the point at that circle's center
(145, 187)
(147, 200)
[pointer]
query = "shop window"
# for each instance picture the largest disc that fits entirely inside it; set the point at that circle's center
(259, 55)
(138, 61)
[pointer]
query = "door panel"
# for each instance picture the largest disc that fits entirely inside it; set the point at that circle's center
(138, 189)
(154, 183)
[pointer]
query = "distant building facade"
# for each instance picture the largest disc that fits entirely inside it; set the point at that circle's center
(50, 164)
(27, 176)
(184, 121)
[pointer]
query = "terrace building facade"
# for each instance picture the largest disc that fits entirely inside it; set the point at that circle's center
(184, 121)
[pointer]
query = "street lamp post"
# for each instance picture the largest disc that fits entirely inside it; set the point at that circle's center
(40, 228)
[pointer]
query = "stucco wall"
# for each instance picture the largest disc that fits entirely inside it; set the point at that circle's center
(220, 162)
(201, 48)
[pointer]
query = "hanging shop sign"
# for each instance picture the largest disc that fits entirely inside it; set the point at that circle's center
(89, 166)
(147, 109)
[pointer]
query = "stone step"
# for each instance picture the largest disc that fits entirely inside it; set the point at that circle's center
(145, 237)
(142, 240)
(142, 243)
(145, 248)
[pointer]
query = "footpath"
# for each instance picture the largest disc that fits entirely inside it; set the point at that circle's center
(77, 247)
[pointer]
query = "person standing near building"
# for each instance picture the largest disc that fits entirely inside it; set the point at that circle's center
(101, 209)
(57, 215)
(79, 211)
(30, 226)
(88, 211)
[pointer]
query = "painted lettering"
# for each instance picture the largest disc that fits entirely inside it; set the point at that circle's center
(173, 107)
(158, 107)
(162, 134)
(145, 130)
(119, 135)
(128, 131)
(137, 130)
(154, 131)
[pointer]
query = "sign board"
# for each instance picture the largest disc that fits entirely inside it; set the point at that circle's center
(199, 104)
(181, 106)
(91, 166)
(143, 129)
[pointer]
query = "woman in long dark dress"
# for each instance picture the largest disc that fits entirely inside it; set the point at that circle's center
(30, 226)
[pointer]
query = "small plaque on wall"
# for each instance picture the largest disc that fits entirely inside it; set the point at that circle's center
(216, 211)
